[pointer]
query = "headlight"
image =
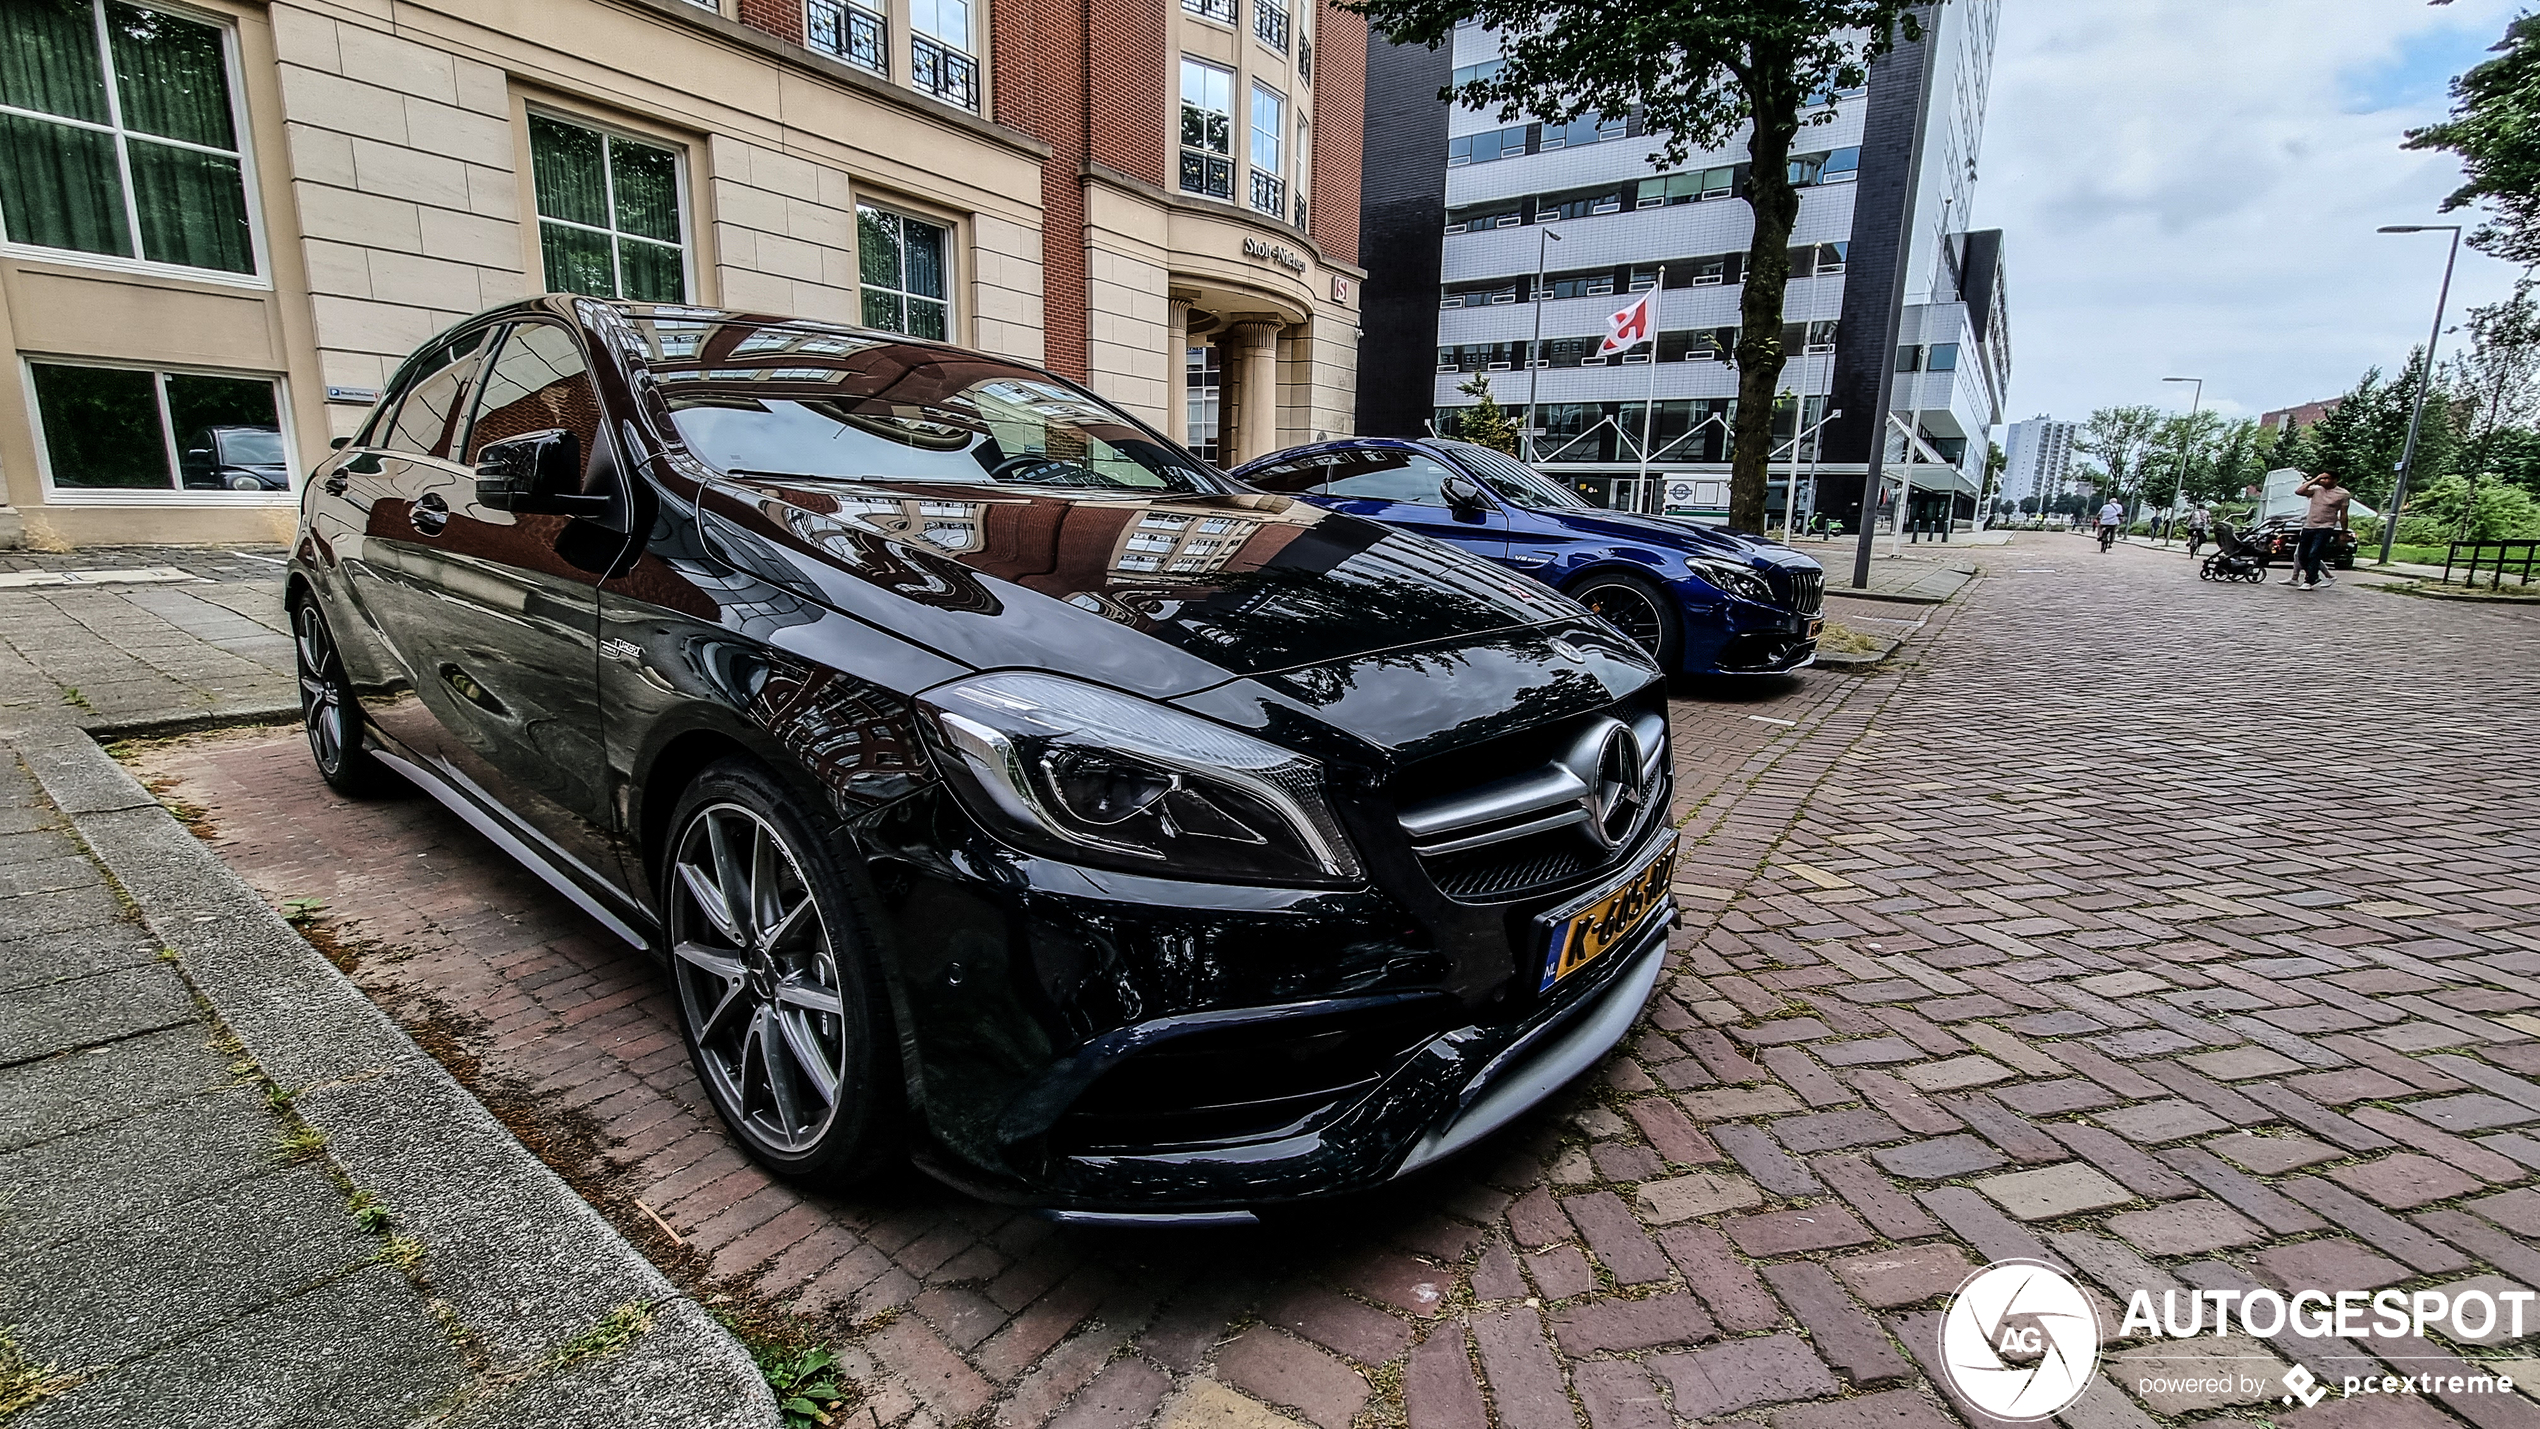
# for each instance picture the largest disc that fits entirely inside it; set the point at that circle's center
(1739, 582)
(1086, 775)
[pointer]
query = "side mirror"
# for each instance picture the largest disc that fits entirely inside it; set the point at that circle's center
(201, 454)
(339, 444)
(536, 473)
(1463, 495)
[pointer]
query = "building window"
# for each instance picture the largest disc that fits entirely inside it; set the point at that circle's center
(1208, 129)
(1304, 58)
(1487, 69)
(902, 260)
(1270, 23)
(1486, 148)
(1944, 357)
(119, 135)
(1202, 380)
(608, 213)
(1222, 11)
(939, 62)
(1269, 151)
(1840, 167)
(126, 430)
(859, 36)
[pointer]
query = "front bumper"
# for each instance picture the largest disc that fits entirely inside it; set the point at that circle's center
(1174, 1117)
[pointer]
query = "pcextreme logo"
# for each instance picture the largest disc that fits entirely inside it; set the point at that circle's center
(2020, 1341)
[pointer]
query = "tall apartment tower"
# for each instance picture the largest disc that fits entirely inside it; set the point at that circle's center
(2041, 460)
(1461, 210)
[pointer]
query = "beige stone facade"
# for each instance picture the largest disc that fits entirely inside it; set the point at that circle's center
(386, 154)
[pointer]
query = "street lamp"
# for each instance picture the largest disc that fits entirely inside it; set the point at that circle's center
(2178, 489)
(1544, 240)
(2425, 378)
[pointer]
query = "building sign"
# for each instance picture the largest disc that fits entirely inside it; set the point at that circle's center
(1285, 257)
(363, 396)
(1341, 289)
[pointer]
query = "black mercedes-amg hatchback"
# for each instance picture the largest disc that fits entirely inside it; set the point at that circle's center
(996, 780)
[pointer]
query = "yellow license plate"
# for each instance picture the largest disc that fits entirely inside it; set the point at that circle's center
(1582, 937)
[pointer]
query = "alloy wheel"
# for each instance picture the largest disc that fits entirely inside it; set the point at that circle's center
(321, 688)
(757, 977)
(1630, 610)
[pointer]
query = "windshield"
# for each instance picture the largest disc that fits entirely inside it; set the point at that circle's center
(251, 446)
(1513, 481)
(829, 404)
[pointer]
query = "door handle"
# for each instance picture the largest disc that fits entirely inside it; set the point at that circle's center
(430, 514)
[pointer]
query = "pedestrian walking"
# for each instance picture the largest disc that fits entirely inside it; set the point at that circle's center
(2327, 517)
(2200, 528)
(2110, 517)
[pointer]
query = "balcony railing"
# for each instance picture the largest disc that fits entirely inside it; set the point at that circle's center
(852, 33)
(1219, 10)
(1270, 194)
(1270, 23)
(1209, 174)
(1305, 59)
(945, 73)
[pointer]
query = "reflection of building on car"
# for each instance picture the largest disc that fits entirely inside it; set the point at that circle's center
(992, 774)
(236, 459)
(1699, 599)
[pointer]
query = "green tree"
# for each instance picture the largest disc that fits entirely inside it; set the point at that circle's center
(2495, 384)
(2495, 129)
(1699, 72)
(2120, 437)
(2362, 440)
(1486, 423)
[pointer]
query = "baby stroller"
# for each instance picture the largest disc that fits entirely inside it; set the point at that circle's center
(2233, 559)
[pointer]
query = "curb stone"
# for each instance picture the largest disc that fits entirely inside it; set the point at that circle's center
(520, 1257)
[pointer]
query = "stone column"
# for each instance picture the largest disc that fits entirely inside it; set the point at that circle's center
(1177, 357)
(1253, 341)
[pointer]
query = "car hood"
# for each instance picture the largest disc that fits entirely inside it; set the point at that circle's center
(1688, 536)
(1162, 596)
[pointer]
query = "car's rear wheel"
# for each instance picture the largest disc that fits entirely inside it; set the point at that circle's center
(328, 712)
(778, 995)
(1643, 612)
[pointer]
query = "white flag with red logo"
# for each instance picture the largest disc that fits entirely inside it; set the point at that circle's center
(1630, 327)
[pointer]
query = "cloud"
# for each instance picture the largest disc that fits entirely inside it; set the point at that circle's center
(2190, 187)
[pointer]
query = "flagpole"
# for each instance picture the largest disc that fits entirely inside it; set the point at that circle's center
(1649, 407)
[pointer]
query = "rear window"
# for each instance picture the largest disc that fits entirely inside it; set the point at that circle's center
(811, 404)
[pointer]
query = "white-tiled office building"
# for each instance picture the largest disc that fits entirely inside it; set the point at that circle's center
(1480, 202)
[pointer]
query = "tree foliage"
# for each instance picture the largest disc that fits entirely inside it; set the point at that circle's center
(2495, 129)
(1486, 423)
(2120, 437)
(1697, 71)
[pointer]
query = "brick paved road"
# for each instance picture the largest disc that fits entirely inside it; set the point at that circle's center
(2175, 933)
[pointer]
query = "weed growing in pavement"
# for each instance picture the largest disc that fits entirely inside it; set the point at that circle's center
(297, 911)
(369, 1214)
(403, 1252)
(616, 1330)
(803, 1374)
(299, 1143)
(22, 1383)
(72, 697)
(805, 1383)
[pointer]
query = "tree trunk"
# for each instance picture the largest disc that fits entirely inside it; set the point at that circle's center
(1760, 357)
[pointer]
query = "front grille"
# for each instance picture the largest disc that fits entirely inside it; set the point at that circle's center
(1505, 836)
(1804, 590)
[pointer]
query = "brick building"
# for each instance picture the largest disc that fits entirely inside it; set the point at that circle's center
(225, 224)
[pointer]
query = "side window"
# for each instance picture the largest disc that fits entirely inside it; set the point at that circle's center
(537, 382)
(1387, 475)
(433, 408)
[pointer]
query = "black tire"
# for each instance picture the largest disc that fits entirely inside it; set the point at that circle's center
(780, 999)
(1644, 613)
(329, 714)
(2345, 562)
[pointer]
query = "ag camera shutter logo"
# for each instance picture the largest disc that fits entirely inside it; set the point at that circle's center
(2020, 1341)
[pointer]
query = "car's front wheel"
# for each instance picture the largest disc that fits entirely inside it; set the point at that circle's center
(1640, 610)
(328, 711)
(777, 989)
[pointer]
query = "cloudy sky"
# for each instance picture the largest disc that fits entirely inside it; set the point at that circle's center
(2191, 187)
